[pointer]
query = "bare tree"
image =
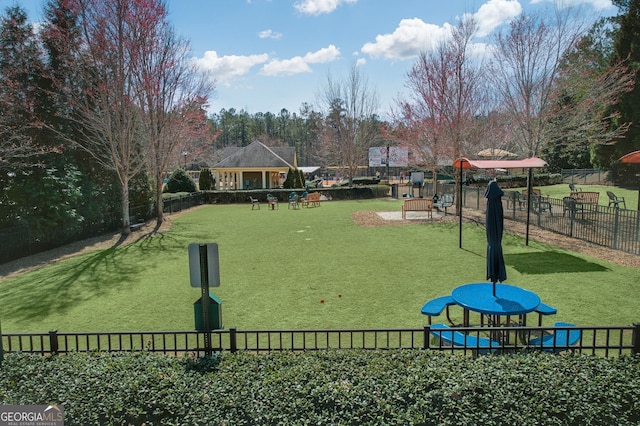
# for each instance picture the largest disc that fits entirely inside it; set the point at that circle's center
(350, 124)
(440, 119)
(171, 94)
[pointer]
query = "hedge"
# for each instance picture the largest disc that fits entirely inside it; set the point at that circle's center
(397, 387)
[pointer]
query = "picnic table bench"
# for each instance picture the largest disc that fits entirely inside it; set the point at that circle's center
(458, 338)
(435, 307)
(560, 340)
(417, 205)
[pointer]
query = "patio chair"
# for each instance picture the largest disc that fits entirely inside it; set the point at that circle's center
(294, 202)
(616, 201)
(254, 203)
(573, 188)
(273, 202)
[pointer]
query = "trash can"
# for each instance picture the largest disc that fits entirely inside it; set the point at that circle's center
(215, 313)
(394, 190)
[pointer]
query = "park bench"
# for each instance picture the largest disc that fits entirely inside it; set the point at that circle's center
(458, 338)
(135, 224)
(445, 201)
(417, 205)
(580, 201)
(312, 200)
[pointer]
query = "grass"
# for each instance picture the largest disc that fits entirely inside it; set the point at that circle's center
(308, 268)
(562, 190)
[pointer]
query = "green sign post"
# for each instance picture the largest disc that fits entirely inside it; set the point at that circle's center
(204, 271)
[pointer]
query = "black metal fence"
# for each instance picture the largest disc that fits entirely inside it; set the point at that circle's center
(604, 341)
(610, 227)
(19, 241)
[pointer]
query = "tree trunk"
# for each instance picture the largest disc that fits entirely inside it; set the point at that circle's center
(159, 202)
(124, 192)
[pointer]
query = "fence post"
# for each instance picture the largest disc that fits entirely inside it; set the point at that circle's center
(616, 226)
(635, 339)
(233, 344)
(53, 342)
(426, 344)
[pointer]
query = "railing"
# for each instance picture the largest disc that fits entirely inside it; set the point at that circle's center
(611, 227)
(605, 341)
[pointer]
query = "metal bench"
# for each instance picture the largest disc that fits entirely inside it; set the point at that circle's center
(458, 338)
(558, 341)
(135, 224)
(434, 307)
(445, 201)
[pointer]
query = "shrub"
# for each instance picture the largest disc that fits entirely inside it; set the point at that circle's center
(388, 387)
(180, 181)
(205, 182)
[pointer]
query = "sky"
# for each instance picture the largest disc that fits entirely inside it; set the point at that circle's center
(266, 55)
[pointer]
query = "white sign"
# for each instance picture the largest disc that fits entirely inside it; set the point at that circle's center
(212, 264)
(398, 156)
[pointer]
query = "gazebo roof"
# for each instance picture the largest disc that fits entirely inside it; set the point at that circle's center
(258, 155)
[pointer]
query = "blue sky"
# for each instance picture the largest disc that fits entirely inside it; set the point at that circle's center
(272, 54)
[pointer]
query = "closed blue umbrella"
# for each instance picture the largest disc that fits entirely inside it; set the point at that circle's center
(496, 270)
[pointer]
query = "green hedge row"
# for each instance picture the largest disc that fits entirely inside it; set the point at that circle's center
(329, 388)
(340, 193)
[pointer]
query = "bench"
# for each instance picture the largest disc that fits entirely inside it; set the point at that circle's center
(312, 200)
(135, 224)
(434, 307)
(417, 205)
(458, 338)
(446, 200)
(580, 200)
(559, 341)
(544, 309)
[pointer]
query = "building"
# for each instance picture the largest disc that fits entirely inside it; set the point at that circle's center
(255, 166)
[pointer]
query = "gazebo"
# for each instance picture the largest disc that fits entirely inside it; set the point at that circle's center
(527, 163)
(255, 166)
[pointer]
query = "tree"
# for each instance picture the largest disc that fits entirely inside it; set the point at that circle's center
(446, 96)
(20, 79)
(350, 125)
(206, 182)
(626, 46)
(172, 95)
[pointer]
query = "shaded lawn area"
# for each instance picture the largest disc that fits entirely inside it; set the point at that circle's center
(307, 268)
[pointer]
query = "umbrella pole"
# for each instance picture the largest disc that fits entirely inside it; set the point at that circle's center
(459, 208)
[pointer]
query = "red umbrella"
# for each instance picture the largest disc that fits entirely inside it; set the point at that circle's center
(632, 158)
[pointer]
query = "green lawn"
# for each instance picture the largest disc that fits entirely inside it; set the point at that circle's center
(562, 190)
(308, 268)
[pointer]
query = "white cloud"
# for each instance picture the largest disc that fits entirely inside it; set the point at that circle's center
(596, 4)
(494, 13)
(300, 64)
(360, 62)
(410, 38)
(318, 7)
(270, 34)
(227, 67)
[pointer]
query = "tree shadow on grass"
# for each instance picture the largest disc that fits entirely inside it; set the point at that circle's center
(550, 262)
(68, 284)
